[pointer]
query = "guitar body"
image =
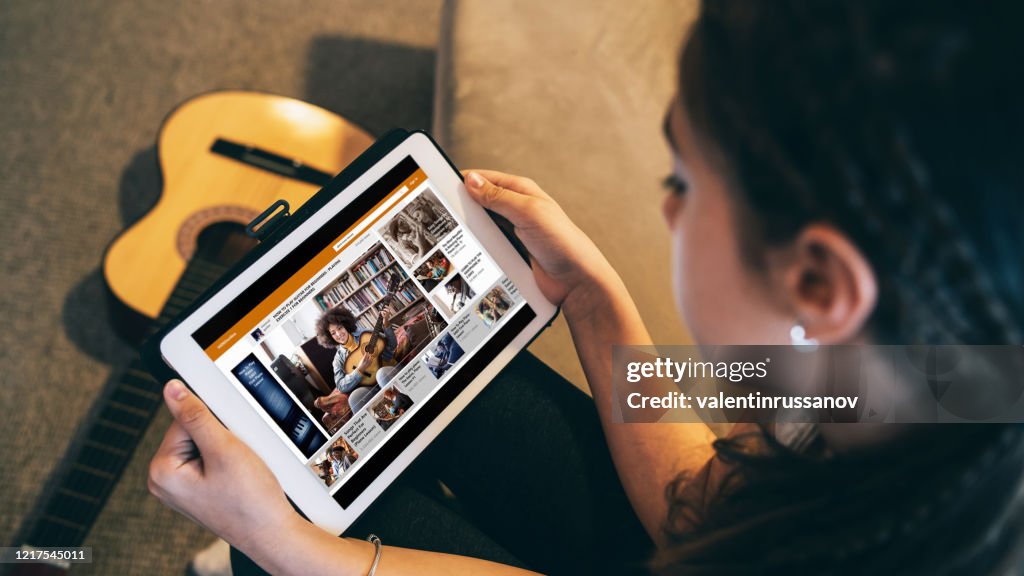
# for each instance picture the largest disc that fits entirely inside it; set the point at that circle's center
(369, 342)
(369, 376)
(225, 158)
(201, 188)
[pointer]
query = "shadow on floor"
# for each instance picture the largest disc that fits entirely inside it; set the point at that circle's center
(93, 320)
(377, 86)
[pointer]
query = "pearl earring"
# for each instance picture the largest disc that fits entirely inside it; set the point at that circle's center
(798, 336)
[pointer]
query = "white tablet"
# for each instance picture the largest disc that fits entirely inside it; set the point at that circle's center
(395, 232)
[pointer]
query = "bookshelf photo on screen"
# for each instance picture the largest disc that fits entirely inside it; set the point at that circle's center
(363, 285)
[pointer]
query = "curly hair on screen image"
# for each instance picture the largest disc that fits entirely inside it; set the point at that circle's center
(336, 316)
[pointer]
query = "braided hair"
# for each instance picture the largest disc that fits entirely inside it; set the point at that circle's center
(900, 124)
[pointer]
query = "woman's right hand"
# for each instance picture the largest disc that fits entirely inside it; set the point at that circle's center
(569, 268)
(364, 363)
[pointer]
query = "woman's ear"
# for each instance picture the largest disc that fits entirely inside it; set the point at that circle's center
(830, 284)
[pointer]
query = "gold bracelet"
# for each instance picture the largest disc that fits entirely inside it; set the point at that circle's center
(377, 547)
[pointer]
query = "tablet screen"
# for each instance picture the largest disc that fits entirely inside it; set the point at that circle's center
(395, 273)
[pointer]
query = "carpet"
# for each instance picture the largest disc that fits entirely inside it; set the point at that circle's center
(83, 89)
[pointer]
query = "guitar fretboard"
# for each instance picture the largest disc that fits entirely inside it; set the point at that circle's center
(106, 442)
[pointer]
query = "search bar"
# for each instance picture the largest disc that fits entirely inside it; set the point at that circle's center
(371, 218)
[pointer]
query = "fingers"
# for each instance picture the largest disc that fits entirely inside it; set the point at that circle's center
(511, 203)
(195, 418)
(166, 466)
(515, 183)
(175, 444)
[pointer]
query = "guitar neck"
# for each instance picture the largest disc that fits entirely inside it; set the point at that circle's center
(377, 327)
(393, 284)
(105, 443)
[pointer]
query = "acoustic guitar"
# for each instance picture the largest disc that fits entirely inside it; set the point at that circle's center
(368, 341)
(225, 157)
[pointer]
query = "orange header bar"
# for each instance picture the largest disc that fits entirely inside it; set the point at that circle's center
(250, 321)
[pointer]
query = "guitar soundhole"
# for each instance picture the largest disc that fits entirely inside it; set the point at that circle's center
(188, 232)
(224, 243)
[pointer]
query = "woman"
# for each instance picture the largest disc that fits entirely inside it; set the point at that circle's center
(459, 292)
(336, 328)
(409, 239)
(431, 216)
(847, 172)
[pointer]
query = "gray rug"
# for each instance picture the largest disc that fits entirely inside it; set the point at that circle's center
(83, 89)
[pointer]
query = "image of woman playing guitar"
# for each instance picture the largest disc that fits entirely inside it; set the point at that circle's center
(364, 359)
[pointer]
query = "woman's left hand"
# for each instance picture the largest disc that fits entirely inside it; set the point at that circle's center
(205, 472)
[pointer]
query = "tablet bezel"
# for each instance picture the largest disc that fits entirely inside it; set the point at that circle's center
(181, 352)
